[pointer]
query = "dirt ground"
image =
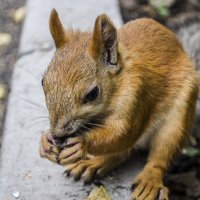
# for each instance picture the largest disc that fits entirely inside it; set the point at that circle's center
(8, 51)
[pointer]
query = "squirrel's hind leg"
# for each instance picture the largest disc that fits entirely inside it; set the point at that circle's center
(165, 143)
(95, 167)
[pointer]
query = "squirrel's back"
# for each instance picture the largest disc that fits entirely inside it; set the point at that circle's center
(154, 50)
(151, 41)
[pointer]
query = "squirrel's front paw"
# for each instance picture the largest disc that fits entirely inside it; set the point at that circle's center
(73, 151)
(88, 169)
(47, 148)
(149, 186)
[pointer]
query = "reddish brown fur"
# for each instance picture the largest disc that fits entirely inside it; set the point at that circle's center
(149, 96)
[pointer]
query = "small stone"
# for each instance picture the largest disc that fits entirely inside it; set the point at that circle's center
(16, 194)
(5, 39)
(19, 14)
(28, 175)
(46, 46)
(110, 178)
(116, 194)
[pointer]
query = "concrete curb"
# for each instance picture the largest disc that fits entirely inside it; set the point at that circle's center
(21, 168)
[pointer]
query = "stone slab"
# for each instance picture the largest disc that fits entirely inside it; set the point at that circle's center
(21, 168)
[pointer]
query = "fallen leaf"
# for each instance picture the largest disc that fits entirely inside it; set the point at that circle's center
(98, 193)
(2, 91)
(163, 11)
(5, 39)
(158, 3)
(19, 14)
(191, 151)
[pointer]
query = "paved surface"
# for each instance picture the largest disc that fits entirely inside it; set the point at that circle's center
(21, 168)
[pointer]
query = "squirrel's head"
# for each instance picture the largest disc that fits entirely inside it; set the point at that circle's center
(80, 79)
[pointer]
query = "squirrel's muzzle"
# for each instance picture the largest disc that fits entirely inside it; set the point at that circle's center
(70, 127)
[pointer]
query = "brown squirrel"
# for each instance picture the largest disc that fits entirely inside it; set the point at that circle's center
(111, 91)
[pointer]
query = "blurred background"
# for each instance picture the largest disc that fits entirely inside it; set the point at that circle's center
(12, 14)
(181, 16)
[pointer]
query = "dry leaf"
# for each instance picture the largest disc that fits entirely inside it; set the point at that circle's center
(98, 193)
(2, 91)
(5, 39)
(19, 14)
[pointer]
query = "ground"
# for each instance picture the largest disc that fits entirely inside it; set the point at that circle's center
(184, 175)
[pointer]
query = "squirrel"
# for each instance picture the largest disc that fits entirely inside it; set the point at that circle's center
(110, 91)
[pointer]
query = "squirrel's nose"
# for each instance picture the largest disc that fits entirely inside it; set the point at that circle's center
(69, 127)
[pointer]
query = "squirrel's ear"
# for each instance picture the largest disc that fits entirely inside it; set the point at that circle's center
(103, 44)
(56, 29)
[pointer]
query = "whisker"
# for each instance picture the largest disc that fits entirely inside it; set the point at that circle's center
(86, 127)
(81, 132)
(26, 121)
(36, 86)
(40, 117)
(37, 77)
(33, 103)
(37, 122)
(100, 125)
(34, 109)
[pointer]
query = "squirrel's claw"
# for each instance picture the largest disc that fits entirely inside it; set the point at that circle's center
(72, 153)
(48, 149)
(148, 185)
(88, 169)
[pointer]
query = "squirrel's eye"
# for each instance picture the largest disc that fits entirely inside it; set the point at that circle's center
(42, 82)
(92, 95)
